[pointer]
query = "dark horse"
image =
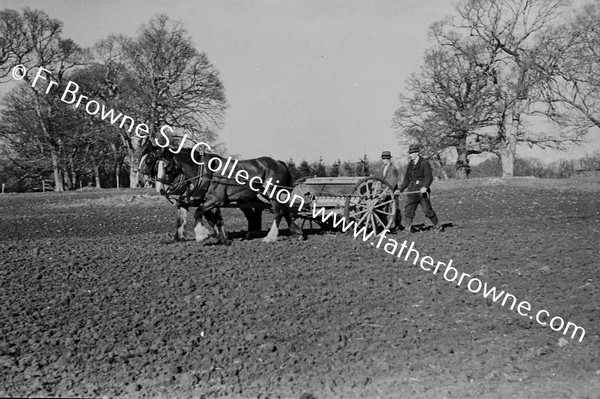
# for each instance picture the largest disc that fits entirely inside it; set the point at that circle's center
(151, 165)
(211, 188)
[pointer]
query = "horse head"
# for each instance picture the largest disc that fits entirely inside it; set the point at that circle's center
(148, 159)
(159, 164)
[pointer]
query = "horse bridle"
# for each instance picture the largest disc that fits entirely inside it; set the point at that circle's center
(175, 179)
(152, 160)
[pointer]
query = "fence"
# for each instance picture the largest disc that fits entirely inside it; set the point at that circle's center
(47, 185)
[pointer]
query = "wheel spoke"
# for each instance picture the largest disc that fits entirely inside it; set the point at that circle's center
(360, 212)
(386, 194)
(362, 219)
(373, 204)
(385, 213)
(380, 221)
(384, 203)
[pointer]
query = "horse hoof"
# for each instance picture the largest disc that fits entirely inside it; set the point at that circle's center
(268, 239)
(251, 235)
(201, 239)
(226, 242)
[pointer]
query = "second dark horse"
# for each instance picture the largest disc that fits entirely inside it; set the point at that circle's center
(208, 190)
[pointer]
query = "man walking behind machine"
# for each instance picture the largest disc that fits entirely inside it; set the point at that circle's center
(418, 177)
(390, 174)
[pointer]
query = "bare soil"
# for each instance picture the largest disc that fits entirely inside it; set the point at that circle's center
(99, 300)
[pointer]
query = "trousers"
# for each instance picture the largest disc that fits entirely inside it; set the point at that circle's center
(413, 200)
(398, 221)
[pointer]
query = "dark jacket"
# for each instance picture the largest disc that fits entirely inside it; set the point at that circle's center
(417, 176)
(391, 175)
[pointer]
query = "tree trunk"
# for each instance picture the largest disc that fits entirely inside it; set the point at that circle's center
(95, 170)
(439, 167)
(507, 160)
(97, 176)
(58, 176)
(444, 174)
(508, 153)
(133, 158)
(462, 160)
(133, 175)
(117, 172)
(73, 172)
(64, 168)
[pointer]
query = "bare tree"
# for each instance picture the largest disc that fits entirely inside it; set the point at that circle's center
(511, 31)
(114, 83)
(573, 85)
(34, 40)
(97, 139)
(158, 78)
(31, 151)
(449, 100)
(169, 83)
(18, 129)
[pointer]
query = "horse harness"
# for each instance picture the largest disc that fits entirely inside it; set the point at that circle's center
(203, 179)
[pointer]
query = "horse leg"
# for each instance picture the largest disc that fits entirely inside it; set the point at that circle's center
(212, 217)
(257, 222)
(273, 233)
(251, 218)
(294, 229)
(258, 213)
(217, 219)
(182, 212)
(201, 232)
(254, 217)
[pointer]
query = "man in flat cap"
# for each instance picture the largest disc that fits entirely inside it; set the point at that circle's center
(418, 177)
(390, 174)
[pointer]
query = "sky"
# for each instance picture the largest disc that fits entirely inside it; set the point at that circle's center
(303, 79)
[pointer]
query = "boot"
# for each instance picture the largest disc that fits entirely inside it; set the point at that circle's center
(436, 225)
(397, 224)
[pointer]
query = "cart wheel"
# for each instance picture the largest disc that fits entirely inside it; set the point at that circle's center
(371, 204)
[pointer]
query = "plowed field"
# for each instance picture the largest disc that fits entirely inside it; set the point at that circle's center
(99, 300)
